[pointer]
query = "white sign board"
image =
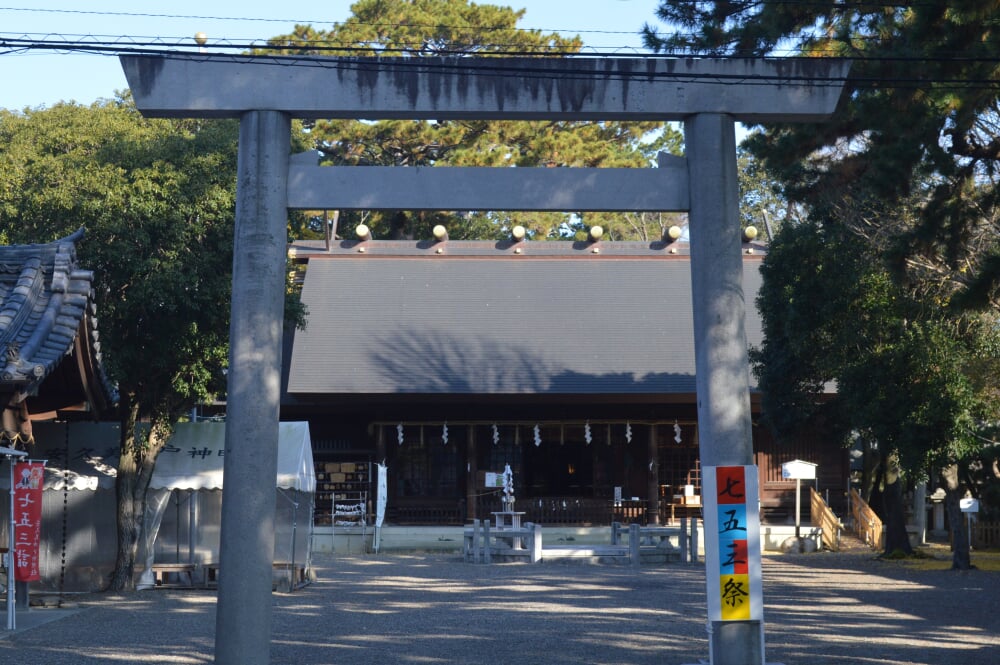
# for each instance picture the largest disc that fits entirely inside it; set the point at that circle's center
(969, 505)
(494, 479)
(798, 470)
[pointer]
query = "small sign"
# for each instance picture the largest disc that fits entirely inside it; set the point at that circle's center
(494, 479)
(969, 505)
(798, 470)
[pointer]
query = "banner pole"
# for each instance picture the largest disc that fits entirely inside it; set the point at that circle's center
(11, 613)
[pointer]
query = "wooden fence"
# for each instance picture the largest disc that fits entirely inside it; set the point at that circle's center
(427, 512)
(567, 510)
(985, 535)
(865, 523)
(822, 516)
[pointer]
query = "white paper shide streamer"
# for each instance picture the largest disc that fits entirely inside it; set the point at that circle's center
(538, 436)
(508, 487)
(399, 433)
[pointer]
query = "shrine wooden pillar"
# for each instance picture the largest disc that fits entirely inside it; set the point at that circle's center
(653, 478)
(471, 472)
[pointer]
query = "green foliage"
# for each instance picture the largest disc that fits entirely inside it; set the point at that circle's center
(917, 125)
(417, 28)
(157, 199)
(890, 289)
(918, 381)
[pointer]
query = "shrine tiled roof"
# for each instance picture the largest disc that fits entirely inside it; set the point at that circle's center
(476, 318)
(47, 315)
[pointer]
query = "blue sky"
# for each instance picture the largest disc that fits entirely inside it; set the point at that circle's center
(43, 78)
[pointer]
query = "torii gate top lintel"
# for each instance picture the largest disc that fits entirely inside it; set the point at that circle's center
(523, 88)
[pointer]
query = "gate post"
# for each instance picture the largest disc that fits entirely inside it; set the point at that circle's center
(722, 375)
(243, 618)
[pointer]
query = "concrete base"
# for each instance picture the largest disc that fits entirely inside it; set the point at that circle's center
(342, 540)
(773, 536)
(350, 540)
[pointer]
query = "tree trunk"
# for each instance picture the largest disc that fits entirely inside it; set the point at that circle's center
(135, 469)
(128, 514)
(896, 537)
(960, 556)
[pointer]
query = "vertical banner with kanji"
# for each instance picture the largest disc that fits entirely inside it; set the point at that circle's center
(28, 480)
(732, 543)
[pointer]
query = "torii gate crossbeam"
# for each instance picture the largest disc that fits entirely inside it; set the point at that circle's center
(265, 92)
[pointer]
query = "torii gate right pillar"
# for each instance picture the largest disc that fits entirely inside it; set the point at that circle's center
(723, 386)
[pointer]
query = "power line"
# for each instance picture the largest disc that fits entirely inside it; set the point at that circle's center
(497, 67)
(303, 21)
(171, 45)
(166, 45)
(462, 61)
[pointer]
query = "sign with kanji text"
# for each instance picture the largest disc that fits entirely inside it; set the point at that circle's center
(28, 480)
(732, 543)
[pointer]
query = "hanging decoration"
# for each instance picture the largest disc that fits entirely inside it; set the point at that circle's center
(399, 433)
(538, 436)
(444, 433)
(677, 432)
(586, 433)
(496, 434)
(628, 431)
(508, 488)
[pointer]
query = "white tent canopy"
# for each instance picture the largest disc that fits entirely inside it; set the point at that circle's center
(188, 476)
(193, 458)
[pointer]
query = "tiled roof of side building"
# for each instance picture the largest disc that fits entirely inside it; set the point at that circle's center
(46, 304)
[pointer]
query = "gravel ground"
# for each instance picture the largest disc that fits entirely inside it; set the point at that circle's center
(434, 609)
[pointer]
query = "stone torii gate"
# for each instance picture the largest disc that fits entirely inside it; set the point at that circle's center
(265, 93)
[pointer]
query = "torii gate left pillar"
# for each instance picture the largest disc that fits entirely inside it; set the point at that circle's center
(243, 618)
(265, 93)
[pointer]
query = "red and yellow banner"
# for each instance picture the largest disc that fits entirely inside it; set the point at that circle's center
(732, 543)
(28, 480)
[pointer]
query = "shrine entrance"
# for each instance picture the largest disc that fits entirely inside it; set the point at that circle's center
(708, 96)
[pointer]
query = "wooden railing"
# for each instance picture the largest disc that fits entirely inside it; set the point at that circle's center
(822, 516)
(865, 523)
